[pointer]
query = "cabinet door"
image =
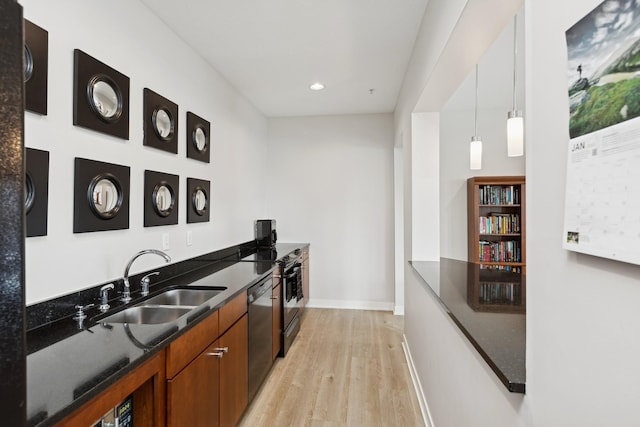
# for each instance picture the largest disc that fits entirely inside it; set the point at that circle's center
(276, 305)
(193, 394)
(234, 376)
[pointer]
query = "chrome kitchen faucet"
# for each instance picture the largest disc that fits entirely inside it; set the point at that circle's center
(126, 293)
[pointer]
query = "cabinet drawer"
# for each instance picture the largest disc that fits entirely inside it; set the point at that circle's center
(191, 344)
(232, 311)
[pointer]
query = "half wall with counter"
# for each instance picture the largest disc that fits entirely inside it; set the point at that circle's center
(466, 347)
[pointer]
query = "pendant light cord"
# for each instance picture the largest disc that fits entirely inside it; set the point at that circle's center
(475, 133)
(515, 55)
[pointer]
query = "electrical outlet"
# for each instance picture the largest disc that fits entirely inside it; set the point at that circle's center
(189, 238)
(165, 242)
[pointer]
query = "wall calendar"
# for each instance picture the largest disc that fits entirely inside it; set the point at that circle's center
(602, 199)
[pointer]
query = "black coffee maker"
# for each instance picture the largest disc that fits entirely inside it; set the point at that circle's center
(265, 232)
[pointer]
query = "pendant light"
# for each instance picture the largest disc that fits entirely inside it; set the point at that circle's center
(475, 147)
(515, 122)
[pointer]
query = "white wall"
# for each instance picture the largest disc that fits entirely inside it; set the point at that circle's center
(425, 179)
(133, 41)
(583, 321)
(398, 229)
(331, 184)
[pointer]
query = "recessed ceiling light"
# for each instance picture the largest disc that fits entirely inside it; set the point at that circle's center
(316, 86)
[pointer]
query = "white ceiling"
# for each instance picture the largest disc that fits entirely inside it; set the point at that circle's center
(272, 50)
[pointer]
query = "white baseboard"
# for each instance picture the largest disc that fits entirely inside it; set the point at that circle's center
(424, 408)
(350, 305)
(398, 310)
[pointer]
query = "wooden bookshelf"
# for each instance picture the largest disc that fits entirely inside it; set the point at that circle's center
(496, 221)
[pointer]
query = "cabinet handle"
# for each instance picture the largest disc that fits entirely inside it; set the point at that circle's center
(274, 297)
(219, 351)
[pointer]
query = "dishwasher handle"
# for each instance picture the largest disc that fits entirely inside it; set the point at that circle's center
(256, 291)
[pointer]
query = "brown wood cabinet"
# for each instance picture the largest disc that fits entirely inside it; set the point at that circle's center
(191, 344)
(496, 221)
(207, 373)
(193, 394)
(305, 276)
(193, 376)
(234, 372)
(146, 383)
(276, 307)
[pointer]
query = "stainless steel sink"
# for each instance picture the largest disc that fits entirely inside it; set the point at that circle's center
(183, 297)
(147, 315)
(165, 307)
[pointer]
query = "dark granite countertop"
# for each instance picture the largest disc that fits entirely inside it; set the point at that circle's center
(488, 307)
(66, 369)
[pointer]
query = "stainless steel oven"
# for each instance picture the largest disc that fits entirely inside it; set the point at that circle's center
(291, 267)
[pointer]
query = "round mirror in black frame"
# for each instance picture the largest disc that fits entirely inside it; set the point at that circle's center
(29, 193)
(36, 192)
(199, 200)
(28, 63)
(105, 98)
(107, 116)
(36, 67)
(163, 123)
(161, 195)
(89, 216)
(198, 138)
(104, 196)
(164, 199)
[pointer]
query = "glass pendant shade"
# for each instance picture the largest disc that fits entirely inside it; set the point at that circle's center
(515, 134)
(475, 153)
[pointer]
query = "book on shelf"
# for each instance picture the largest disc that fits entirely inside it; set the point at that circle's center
(503, 251)
(509, 268)
(499, 223)
(499, 194)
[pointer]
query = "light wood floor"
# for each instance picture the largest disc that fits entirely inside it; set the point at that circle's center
(345, 368)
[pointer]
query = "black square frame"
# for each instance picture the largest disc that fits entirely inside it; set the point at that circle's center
(84, 217)
(86, 69)
(152, 181)
(36, 42)
(193, 123)
(37, 191)
(152, 103)
(193, 185)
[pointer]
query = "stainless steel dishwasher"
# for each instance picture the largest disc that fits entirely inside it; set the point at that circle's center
(260, 333)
